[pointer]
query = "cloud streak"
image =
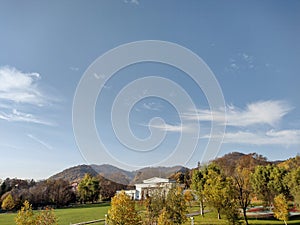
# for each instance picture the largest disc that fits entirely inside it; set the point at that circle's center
(49, 147)
(17, 116)
(257, 113)
(270, 137)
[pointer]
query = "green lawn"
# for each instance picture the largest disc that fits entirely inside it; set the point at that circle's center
(211, 219)
(69, 215)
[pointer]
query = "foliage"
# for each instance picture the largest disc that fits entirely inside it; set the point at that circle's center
(8, 203)
(123, 211)
(163, 218)
(188, 197)
(215, 190)
(268, 181)
(293, 182)
(242, 184)
(280, 210)
(198, 182)
(46, 217)
(26, 216)
(89, 189)
(154, 205)
(175, 206)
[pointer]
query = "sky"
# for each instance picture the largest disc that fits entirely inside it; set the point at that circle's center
(150, 112)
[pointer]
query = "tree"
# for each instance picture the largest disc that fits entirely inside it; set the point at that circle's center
(280, 210)
(268, 181)
(154, 205)
(175, 206)
(198, 182)
(8, 203)
(88, 189)
(188, 197)
(163, 218)
(122, 211)
(46, 217)
(215, 190)
(25, 216)
(245, 166)
(293, 182)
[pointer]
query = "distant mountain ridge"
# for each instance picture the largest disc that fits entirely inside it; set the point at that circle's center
(115, 174)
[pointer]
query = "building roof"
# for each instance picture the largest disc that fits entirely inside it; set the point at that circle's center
(157, 180)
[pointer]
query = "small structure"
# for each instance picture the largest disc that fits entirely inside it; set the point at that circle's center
(148, 186)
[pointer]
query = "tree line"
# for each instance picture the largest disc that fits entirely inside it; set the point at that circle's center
(228, 186)
(55, 192)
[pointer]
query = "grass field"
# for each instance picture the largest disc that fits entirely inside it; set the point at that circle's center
(98, 211)
(69, 215)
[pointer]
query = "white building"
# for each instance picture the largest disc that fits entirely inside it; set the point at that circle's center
(153, 184)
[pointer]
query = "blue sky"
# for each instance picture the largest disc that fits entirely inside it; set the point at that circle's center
(252, 47)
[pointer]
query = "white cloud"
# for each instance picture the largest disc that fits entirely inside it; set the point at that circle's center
(16, 116)
(271, 137)
(257, 113)
(152, 106)
(169, 127)
(19, 87)
(241, 61)
(20, 90)
(74, 68)
(136, 2)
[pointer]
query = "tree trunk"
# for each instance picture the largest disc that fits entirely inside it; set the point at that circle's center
(219, 215)
(245, 216)
(285, 222)
(201, 209)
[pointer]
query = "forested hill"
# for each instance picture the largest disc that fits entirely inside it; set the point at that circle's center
(117, 175)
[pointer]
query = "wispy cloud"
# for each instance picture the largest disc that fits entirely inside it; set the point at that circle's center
(135, 2)
(241, 61)
(49, 147)
(16, 116)
(257, 113)
(74, 68)
(270, 137)
(20, 87)
(20, 90)
(152, 106)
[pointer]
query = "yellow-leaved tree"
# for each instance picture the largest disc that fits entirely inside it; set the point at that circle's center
(122, 211)
(26, 216)
(8, 203)
(281, 210)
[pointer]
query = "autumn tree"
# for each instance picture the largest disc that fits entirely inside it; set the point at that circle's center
(198, 182)
(175, 206)
(25, 216)
(280, 210)
(215, 189)
(154, 205)
(188, 197)
(268, 181)
(89, 189)
(8, 203)
(293, 182)
(46, 217)
(245, 166)
(122, 211)
(163, 218)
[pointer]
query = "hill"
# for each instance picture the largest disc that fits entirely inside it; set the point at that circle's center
(116, 174)
(75, 173)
